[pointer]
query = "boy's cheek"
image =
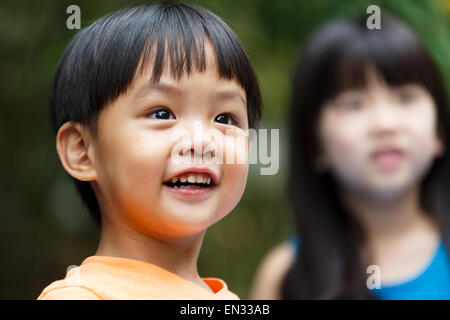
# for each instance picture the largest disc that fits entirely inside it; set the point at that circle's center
(234, 182)
(126, 172)
(235, 150)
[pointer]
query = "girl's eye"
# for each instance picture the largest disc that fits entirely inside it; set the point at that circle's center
(405, 97)
(162, 114)
(351, 103)
(226, 118)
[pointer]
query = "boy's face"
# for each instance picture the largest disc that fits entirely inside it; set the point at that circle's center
(140, 133)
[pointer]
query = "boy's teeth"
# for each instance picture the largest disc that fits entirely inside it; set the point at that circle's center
(192, 178)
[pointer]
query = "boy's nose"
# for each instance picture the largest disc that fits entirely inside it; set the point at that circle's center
(198, 150)
(200, 142)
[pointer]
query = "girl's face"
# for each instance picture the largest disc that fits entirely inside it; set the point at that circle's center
(379, 141)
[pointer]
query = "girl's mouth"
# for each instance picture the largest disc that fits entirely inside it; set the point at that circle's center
(388, 159)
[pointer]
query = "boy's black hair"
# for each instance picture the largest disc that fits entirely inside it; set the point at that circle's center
(337, 58)
(102, 60)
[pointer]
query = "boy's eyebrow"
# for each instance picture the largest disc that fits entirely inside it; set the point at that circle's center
(221, 94)
(161, 87)
(229, 94)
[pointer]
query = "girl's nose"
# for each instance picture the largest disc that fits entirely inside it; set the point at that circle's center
(383, 119)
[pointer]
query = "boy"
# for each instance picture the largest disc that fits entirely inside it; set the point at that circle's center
(125, 88)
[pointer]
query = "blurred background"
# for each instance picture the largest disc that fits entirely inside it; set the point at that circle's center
(44, 228)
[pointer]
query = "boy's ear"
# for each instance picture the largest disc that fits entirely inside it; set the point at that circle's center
(75, 151)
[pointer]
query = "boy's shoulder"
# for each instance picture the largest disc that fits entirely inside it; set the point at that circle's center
(56, 291)
(70, 288)
(113, 278)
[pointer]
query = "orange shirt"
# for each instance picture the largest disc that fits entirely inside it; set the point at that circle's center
(113, 278)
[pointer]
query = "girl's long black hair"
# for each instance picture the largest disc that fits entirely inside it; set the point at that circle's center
(328, 264)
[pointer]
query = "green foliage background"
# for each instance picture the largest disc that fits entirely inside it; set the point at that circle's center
(44, 228)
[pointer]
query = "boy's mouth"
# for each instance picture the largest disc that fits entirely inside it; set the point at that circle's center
(190, 180)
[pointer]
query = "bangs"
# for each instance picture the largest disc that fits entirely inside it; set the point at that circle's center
(394, 52)
(178, 40)
(103, 60)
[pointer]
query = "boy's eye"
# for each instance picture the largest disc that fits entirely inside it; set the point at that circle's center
(225, 118)
(161, 114)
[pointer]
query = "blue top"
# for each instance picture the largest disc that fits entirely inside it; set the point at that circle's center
(433, 283)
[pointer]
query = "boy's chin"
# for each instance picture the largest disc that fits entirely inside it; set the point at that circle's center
(188, 221)
(180, 232)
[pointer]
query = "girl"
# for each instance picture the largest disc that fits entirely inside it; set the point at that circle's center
(369, 171)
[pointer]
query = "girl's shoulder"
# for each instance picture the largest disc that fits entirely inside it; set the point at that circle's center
(272, 270)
